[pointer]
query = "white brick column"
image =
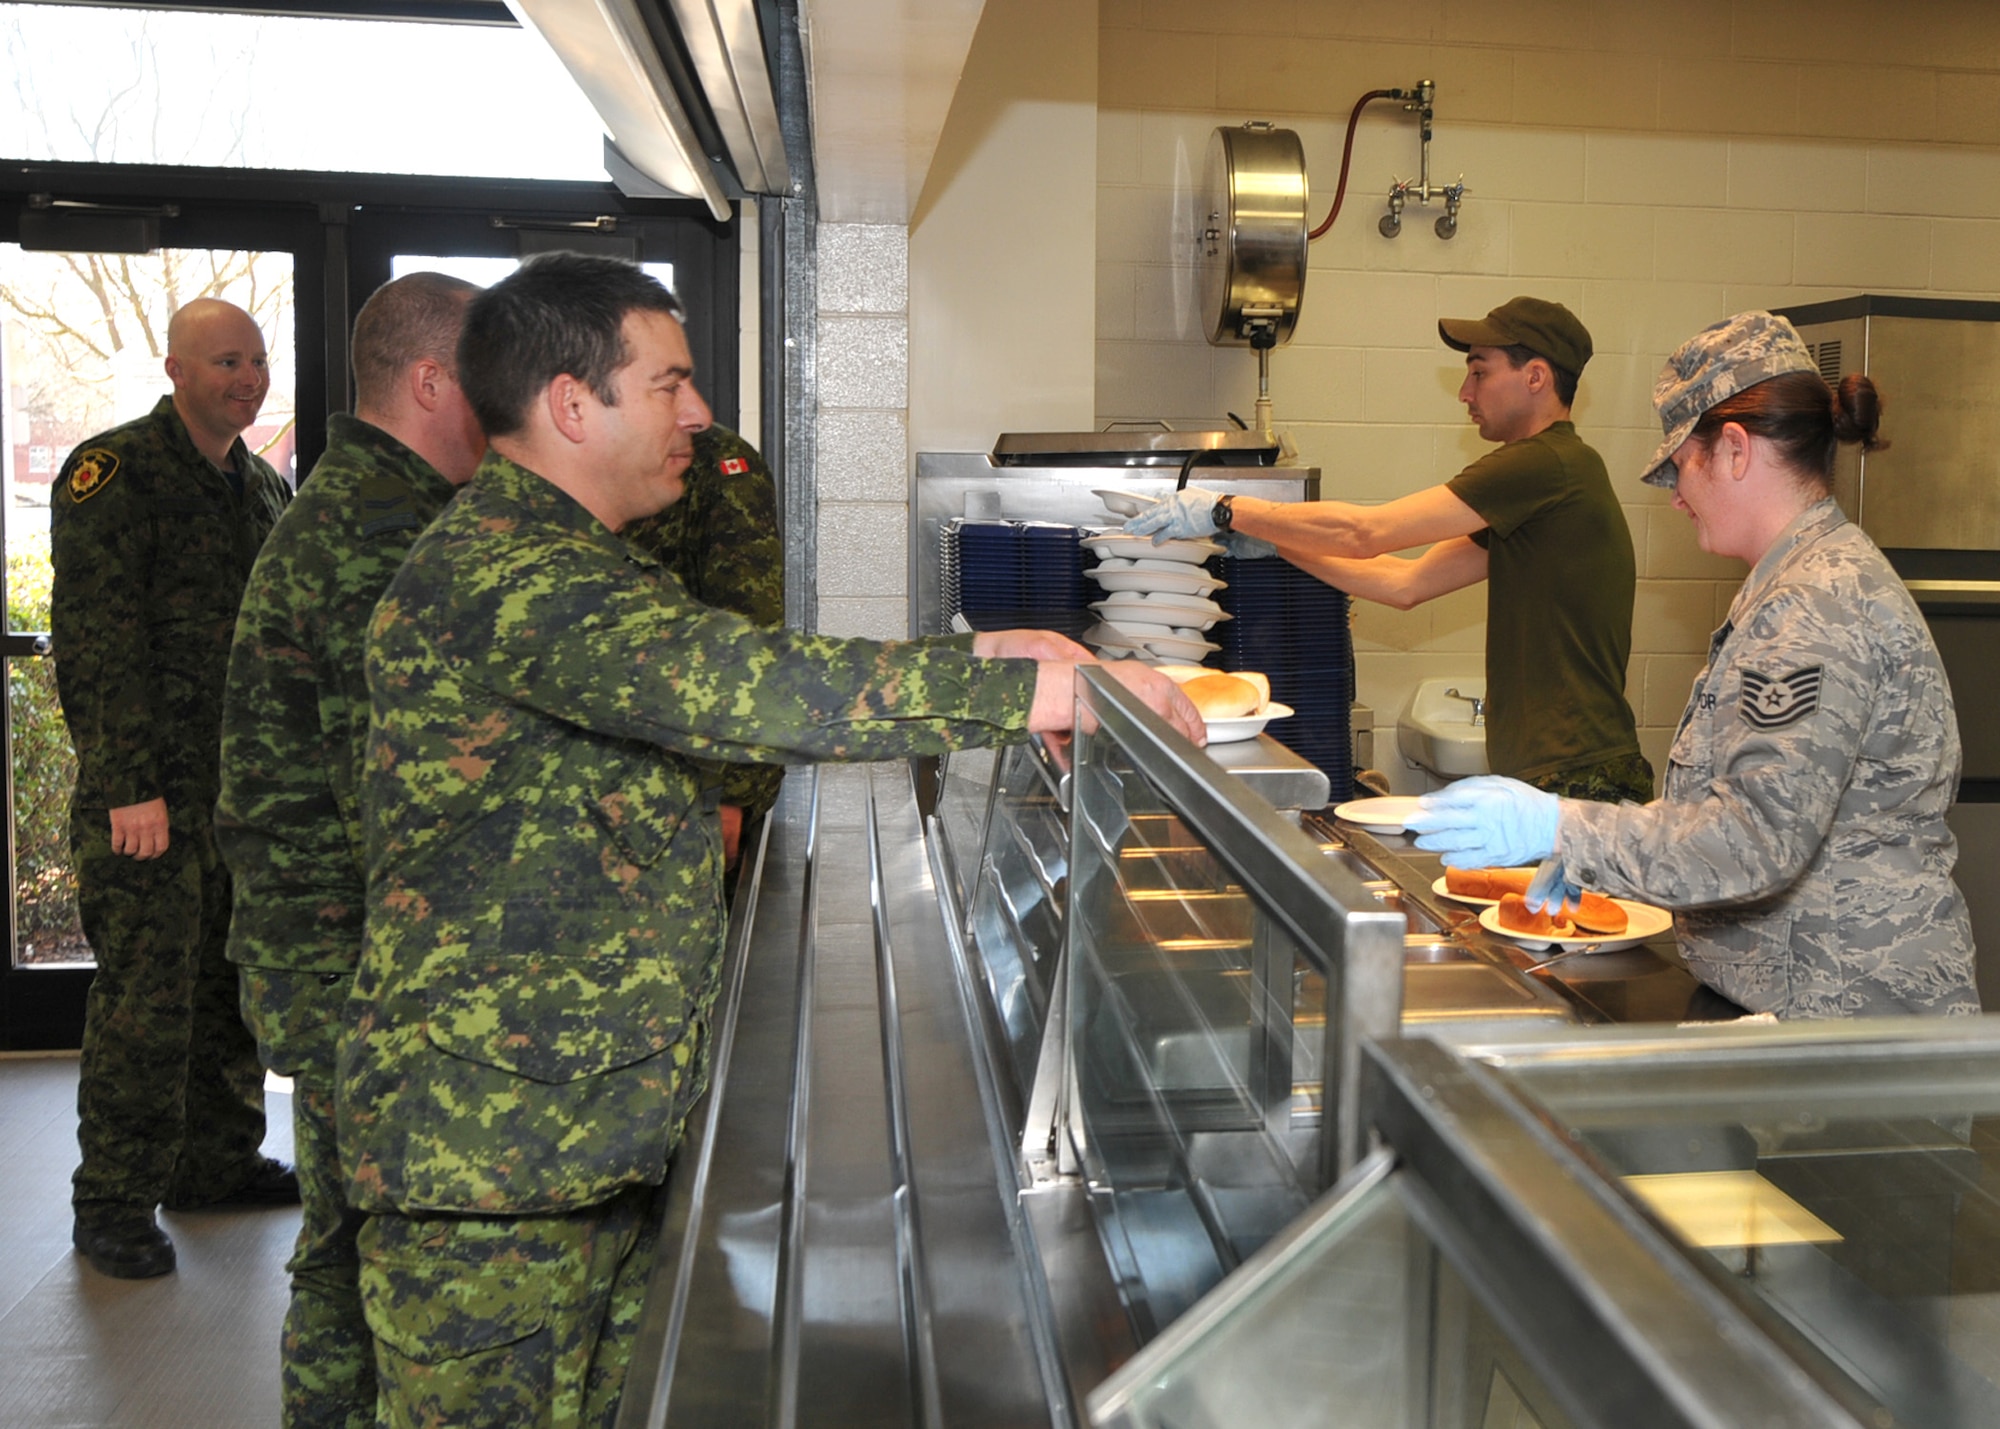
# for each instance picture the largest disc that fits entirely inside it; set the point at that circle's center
(864, 361)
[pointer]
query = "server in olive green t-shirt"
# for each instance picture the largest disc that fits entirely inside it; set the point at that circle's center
(1535, 519)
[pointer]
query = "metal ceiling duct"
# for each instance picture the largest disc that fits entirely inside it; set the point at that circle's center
(658, 106)
(726, 45)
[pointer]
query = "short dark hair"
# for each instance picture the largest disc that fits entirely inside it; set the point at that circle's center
(1519, 356)
(558, 313)
(412, 318)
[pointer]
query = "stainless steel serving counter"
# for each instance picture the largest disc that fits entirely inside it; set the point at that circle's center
(1107, 1092)
(995, 1100)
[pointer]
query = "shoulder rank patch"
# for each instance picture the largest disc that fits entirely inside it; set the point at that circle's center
(1773, 704)
(733, 466)
(90, 472)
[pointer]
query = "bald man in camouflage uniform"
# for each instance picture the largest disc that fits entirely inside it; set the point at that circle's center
(721, 540)
(544, 861)
(153, 527)
(294, 728)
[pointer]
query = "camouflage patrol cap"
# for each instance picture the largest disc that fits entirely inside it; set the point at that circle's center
(1546, 329)
(1713, 366)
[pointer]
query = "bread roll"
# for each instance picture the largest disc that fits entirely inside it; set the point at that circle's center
(1262, 682)
(1222, 696)
(1514, 916)
(1600, 915)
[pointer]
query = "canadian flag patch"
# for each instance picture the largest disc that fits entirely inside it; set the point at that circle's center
(734, 466)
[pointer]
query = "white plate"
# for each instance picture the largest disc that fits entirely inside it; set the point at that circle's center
(1230, 731)
(1138, 630)
(1160, 609)
(1176, 647)
(1646, 921)
(1183, 579)
(1117, 543)
(1124, 503)
(1108, 639)
(1385, 815)
(1439, 888)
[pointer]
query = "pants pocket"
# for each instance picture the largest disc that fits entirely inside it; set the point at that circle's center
(461, 1335)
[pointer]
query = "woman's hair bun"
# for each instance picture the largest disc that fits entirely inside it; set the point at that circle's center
(1857, 412)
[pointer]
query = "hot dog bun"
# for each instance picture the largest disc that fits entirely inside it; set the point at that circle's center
(1222, 696)
(1514, 916)
(1487, 882)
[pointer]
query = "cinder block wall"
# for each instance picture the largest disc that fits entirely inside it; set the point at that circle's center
(1655, 166)
(864, 386)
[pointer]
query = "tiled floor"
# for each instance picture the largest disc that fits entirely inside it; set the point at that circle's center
(197, 1349)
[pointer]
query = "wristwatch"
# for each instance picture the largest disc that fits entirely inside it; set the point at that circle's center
(1223, 513)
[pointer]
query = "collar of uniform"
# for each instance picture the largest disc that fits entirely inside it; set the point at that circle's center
(1807, 527)
(165, 412)
(542, 499)
(351, 432)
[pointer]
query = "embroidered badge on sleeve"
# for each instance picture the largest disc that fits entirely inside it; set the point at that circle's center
(1773, 704)
(89, 473)
(733, 466)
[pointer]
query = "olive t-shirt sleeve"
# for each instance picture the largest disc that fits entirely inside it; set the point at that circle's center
(1507, 488)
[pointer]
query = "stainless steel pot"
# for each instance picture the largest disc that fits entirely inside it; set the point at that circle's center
(1252, 244)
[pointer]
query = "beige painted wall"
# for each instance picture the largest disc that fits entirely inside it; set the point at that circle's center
(1003, 242)
(1655, 166)
(976, 319)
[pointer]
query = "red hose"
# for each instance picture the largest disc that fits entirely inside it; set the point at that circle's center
(1347, 154)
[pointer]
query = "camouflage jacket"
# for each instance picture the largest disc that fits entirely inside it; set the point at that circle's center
(295, 715)
(544, 865)
(722, 540)
(1801, 838)
(151, 548)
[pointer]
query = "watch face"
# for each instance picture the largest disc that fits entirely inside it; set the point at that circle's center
(1224, 512)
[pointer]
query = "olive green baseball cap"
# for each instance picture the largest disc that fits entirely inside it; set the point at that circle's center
(1713, 366)
(1546, 329)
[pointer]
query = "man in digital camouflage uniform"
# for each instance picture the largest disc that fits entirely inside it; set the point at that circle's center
(294, 727)
(721, 540)
(544, 924)
(153, 529)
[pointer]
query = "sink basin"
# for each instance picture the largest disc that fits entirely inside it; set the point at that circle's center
(1435, 730)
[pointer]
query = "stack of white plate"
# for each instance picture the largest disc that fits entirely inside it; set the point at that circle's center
(1156, 603)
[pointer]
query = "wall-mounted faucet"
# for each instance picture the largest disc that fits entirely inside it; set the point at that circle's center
(1477, 702)
(1402, 190)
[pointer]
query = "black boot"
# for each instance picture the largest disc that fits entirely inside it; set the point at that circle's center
(273, 1183)
(127, 1246)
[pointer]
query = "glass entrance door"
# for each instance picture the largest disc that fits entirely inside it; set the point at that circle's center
(82, 348)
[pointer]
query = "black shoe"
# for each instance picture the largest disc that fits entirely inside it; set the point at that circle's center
(131, 1248)
(273, 1183)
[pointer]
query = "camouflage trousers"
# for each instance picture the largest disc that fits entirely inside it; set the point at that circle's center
(326, 1357)
(1627, 777)
(512, 1322)
(170, 1099)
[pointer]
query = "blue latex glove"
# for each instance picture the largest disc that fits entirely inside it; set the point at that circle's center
(1551, 888)
(1187, 515)
(1487, 822)
(1247, 548)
